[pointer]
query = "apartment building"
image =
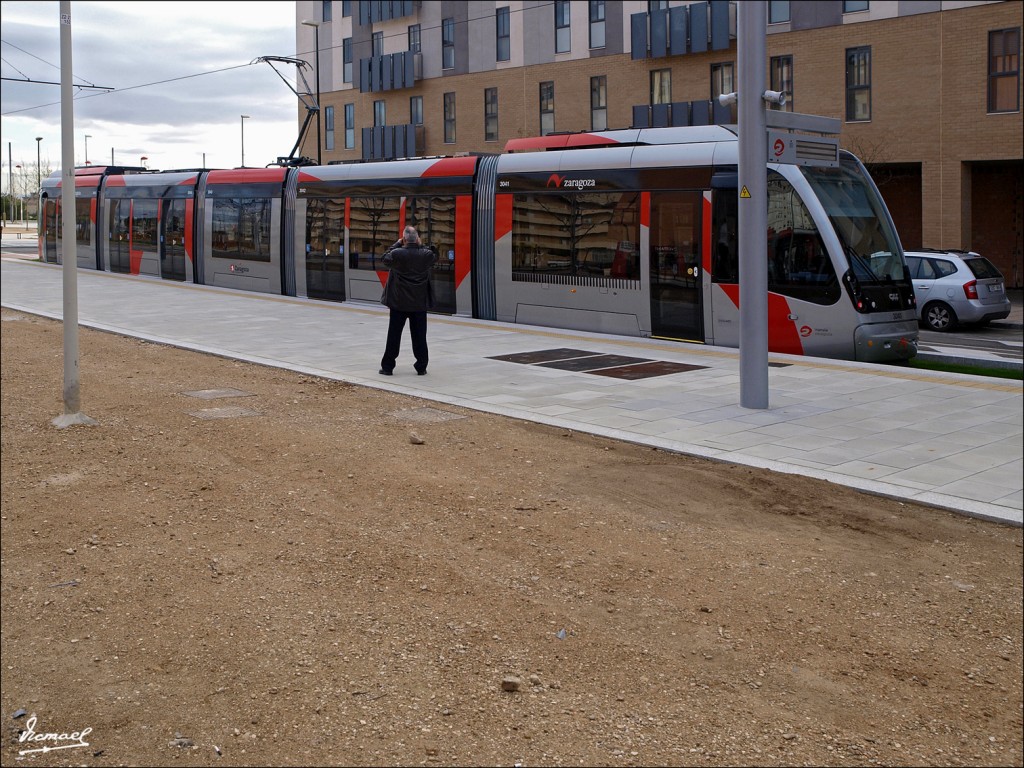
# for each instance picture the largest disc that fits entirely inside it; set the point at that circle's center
(928, 92)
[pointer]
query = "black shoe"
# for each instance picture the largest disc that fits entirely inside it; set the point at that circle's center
(421, 373)
(382, 372)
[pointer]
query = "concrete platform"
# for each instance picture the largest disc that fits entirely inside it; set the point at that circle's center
(951, 441)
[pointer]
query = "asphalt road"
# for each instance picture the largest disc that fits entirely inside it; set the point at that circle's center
(1004, 340)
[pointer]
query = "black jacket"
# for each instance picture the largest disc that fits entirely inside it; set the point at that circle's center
(408, 287)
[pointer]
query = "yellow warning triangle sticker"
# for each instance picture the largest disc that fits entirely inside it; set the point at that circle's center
(745, 192)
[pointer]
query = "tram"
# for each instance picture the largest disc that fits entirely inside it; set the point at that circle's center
(631, 232)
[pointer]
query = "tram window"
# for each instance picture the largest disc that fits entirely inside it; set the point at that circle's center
(375, 223)
(241, 228)
(144, 223)
(591, 235)
(434, 219)
(798, 263)
(83, 230)
(725, 267)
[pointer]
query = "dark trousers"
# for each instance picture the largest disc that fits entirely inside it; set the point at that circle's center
(418, 331)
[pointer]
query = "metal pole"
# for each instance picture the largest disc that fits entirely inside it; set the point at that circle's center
(243, 139)
(87, 137)
(751, 25)
(319, 141)
(72, 394)
(39, 169)
(10, 181)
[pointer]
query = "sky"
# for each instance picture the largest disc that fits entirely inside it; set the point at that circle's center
(182, 74)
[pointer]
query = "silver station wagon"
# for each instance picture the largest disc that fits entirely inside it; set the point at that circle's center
(956, 287)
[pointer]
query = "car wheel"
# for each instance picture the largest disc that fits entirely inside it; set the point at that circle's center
(939, 317)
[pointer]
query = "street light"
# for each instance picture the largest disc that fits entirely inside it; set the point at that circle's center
(316, 29)
(39, 167)
(21, 203)
(87, 137)
(244, 118)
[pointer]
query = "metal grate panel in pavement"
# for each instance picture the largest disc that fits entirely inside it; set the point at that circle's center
(612, 366)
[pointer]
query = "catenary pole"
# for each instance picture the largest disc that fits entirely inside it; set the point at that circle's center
(751, 24)
(69, 247)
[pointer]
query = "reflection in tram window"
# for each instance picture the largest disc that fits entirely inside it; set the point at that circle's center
(83, 230)
(583, 238)
(144, 224)
(434, 219)
(83, 225)
(798, 264)
(373, 228)
(241, 228)
(375, 224)
(725, 268)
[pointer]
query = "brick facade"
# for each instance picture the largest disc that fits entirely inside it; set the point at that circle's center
(930, 133)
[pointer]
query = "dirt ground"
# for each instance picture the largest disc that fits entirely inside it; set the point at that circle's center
(342, 576)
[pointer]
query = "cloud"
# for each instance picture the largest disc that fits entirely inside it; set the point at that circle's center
(182, 73)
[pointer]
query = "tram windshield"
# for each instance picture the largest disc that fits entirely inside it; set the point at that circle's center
(860, 219)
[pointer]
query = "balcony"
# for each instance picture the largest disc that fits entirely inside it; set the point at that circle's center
(390, 72)
(391, 142)
(695, 28)
(681, 113)
(372, 11)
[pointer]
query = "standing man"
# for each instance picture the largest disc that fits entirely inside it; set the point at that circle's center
(408, 294)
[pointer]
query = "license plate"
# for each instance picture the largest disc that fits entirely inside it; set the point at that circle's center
(997, 288)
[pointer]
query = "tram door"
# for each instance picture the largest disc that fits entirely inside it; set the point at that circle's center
(50, 222)
(325, 261)
(172, 253)
(675, 248)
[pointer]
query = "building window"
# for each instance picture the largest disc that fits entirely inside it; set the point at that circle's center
(782, 80)
(490, 114)
(448, 44)
(380, 112)
(329, 128)
(858, 84)
(346, 8)
(503, 33)
(350, 126)
(1004, 70)
(657, 5)
(852, 6)
(547, 107)
(597, 23)
(599, 103)
(562, 40)
(416, 110)
(661, 86)
(414, 38)
(723, 80)
(326, 10)
(378, 44)
(778, 11)
(346, 60)
(449, 118)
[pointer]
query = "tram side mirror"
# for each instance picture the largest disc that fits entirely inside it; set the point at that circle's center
(775, 97)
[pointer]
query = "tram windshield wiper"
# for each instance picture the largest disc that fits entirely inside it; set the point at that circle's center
(861, 266)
